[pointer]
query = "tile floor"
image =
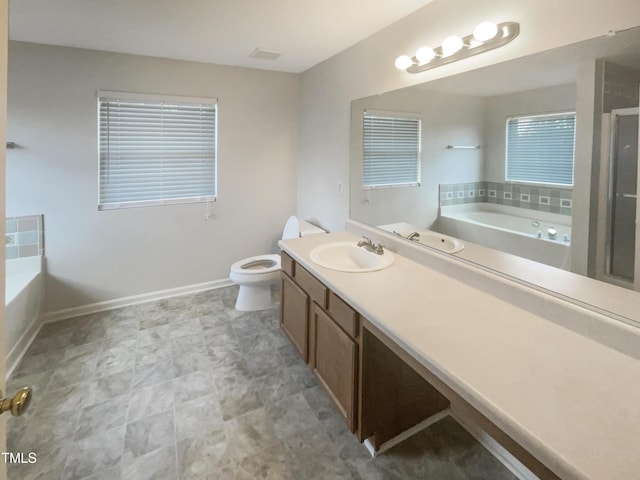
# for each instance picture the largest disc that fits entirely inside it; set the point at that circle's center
(190, 389)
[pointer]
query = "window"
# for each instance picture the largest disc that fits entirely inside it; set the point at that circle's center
(391, 150)
(540, 148)
(156, 150)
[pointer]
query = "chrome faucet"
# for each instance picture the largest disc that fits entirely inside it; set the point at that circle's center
(415, 236)
(370, 246)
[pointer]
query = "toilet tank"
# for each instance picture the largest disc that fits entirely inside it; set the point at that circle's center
(307, 228)
(299, 228)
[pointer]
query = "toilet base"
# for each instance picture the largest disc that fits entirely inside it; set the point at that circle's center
(255, 297)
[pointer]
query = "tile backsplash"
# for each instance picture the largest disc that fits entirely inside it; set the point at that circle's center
(545, 199)
(24, 236)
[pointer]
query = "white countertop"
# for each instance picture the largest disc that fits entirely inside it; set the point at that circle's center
(572, 402)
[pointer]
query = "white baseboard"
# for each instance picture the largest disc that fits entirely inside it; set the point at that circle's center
(21, 346)
(501, 454)
(66, 313)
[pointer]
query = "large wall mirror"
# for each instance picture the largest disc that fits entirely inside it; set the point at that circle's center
(536, 157)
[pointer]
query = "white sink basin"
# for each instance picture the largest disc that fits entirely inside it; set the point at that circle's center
(349, 257)
(444, 243)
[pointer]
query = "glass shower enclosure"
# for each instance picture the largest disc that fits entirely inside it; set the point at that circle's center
(623, 182)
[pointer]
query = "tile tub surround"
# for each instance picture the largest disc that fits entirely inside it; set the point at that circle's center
(545, 199)
(548, 387)
(24, 236)
(188, 388)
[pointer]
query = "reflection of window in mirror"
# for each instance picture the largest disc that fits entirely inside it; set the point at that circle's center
(391, 149)
(540, 148)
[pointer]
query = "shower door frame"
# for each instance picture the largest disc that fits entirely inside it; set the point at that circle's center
(636, 269)
(603, 265)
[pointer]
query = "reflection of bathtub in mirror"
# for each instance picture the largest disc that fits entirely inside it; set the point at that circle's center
(540, 236)
(425, 237)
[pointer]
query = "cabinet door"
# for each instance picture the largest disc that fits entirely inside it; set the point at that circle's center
(335, 363)
(294, 315)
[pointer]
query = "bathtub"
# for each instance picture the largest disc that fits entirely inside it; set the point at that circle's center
(23, 300)
(540, 236)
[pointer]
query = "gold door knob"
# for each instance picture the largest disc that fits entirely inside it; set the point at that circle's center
(18, 404)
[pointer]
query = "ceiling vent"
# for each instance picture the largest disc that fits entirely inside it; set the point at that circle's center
(265, 54)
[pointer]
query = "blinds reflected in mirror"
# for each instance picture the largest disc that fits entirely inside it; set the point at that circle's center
(540, 148)
(391, 149)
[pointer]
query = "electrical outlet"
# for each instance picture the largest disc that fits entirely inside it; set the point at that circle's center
(10, 239)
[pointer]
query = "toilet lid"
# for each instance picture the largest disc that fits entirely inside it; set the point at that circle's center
(291, 229)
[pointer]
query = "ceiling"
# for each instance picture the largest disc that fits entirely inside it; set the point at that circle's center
(307, 32)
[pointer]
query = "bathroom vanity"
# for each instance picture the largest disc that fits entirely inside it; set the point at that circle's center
(396, 347)
(377, 394)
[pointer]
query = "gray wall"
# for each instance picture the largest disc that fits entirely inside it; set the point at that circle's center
(97, 256)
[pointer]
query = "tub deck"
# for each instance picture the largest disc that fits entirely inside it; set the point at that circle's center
(518, 231)
(16, 283)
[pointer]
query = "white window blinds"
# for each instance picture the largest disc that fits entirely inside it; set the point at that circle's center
(391, 150)
(540, 148)
(156, 150)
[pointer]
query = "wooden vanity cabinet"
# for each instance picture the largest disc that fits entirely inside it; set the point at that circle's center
(323, 328)
(299, 291)
(335, 362)
(376, 392)
(294, 315)
(378, 388)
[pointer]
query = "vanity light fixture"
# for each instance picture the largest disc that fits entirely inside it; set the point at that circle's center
(485, 31)
(486, 36)
(451, 45)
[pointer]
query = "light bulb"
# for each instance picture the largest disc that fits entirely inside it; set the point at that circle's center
(485, 31)
(451, 45)
(425, 55)
(403, 62)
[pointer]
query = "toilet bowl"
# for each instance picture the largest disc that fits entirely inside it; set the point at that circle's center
(258, 275)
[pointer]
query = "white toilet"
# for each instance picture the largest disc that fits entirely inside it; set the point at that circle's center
(257, 275)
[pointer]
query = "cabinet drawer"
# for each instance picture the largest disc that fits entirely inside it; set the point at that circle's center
(288, 264)
(343, 315)
(310, 284)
